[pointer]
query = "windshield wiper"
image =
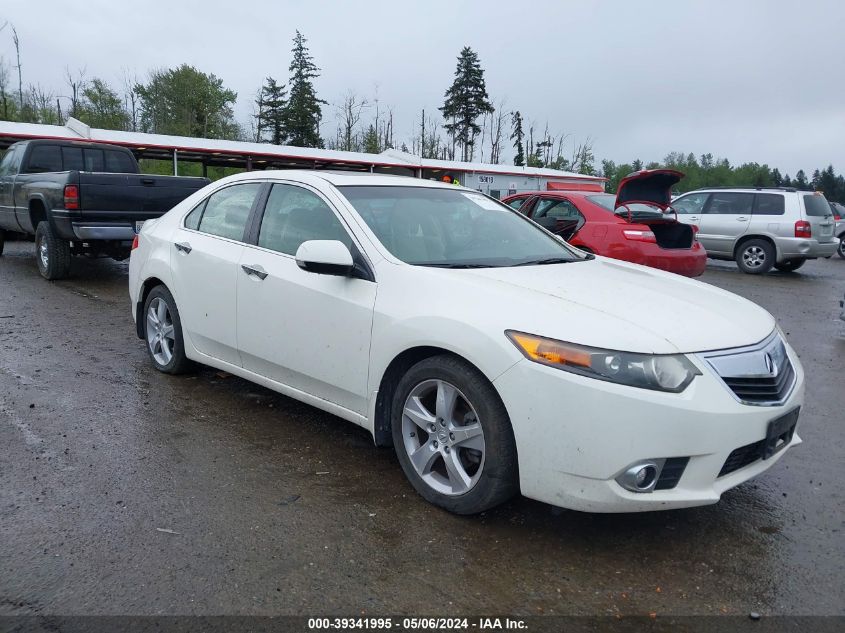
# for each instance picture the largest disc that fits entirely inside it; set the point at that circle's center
(548, 260)
(456, 265)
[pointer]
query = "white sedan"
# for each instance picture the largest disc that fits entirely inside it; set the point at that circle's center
(491, 355)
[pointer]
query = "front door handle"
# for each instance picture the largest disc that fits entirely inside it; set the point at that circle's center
(742, 218)
(257, 271)
(183, 247)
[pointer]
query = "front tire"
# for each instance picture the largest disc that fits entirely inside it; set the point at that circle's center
(790, 265)
(755, 257)
(51, 252)
(163, 332)
(453, 437)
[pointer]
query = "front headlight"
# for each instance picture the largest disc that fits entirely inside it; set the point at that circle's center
(661, 372)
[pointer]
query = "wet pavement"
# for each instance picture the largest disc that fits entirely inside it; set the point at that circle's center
(126, 491)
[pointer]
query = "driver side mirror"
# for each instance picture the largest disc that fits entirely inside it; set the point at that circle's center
(325, 257)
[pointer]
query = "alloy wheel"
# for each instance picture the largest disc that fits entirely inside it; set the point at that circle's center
(160, 333)
(754, 257)
(443, 437)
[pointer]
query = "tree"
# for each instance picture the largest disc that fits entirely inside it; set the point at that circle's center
(101, 107)
(371, 141)
(186, 102)
(77, 88)
(303, 112)
(801, 181)
(270, 120)
(777, 179)
(466, 100)
(517, 136)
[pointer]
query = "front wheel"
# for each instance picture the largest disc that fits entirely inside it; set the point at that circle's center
(841, 249)
(163, 332)
(790, 264)
(453, 437)
(51, 252)
(755, 257)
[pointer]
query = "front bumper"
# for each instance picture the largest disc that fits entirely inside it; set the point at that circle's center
(575, 435)
(792, 248)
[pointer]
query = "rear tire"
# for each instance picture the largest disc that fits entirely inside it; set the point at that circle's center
(51, 252)
(163, 332)
(755, 256)
(2, 241)
(790, 265)
(841, 249)
(453, 437)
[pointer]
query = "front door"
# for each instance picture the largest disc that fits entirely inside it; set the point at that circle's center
(205, 257)
(305, 330)
(725, 219)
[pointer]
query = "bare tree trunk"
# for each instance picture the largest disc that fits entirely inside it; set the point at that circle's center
(17, 42)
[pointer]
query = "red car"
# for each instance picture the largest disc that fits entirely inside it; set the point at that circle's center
(636, 225)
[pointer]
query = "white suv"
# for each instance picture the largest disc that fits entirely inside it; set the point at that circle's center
(760, 227)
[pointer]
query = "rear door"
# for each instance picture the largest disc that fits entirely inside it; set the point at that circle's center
(818, 213)
(205, 260)
(726, 217)
(305, 330)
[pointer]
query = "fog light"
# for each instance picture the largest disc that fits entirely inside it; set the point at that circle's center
(641, 476)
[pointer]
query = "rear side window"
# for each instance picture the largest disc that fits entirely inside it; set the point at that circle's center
(294, 215)
(44, 158)
(192, 220)
(227, 210)
(815, 204)
(769, 204)
(119, 162)
(515, 204)
(93, 159)
(72, 158)
(728, 203)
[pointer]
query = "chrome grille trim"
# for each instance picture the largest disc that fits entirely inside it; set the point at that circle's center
(759, 375)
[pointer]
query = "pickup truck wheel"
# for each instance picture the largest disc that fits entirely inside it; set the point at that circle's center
(453, 437)
(51, 252)
(163, 332)
(790, 264)
(755, 257)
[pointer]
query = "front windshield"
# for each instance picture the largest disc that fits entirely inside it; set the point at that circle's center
(427, 226)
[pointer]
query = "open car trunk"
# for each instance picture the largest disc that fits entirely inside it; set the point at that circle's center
(673, 235)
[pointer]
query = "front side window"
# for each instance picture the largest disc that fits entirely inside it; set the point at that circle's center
(427, 226)
(691, 204)
(562, 209)
(44, 158)
(729, 203)
(515, 204)
(294, 215)
(227, 210)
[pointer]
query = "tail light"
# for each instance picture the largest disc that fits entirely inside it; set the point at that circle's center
(694, 228)
(135, 242)
(837, 217)
(71, 197)
(803, 229)
(639, 236)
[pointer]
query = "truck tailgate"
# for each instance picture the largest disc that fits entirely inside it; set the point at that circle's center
(105, 196)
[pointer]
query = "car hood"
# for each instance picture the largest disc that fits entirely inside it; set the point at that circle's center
(616, 305)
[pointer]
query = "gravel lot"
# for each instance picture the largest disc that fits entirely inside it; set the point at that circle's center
(125, 491)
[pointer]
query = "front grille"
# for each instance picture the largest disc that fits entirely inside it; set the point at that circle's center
(760, 390)
(742, 457)
(673, 468)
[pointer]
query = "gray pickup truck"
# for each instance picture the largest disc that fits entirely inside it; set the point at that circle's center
(80, 199)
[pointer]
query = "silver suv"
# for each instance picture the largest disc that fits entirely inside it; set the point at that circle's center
(760, 227)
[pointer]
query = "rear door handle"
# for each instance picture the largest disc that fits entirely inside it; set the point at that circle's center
(742, 218)
(183, 247)
(257, 271)
(148, 181)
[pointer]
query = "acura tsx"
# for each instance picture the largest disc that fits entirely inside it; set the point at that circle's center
(494, 357)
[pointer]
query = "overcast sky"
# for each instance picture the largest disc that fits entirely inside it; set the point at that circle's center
(751, 81)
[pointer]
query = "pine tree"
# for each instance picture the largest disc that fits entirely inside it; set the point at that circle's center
(517, 136)
(371, 141)
(801, 181)
(270, 119)
(466, 100)
(303, 112)
(777, 179)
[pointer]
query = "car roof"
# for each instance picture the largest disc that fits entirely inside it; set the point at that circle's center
(343, 178)
(744, 190)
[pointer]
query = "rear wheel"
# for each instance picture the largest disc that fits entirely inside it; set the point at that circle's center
(755, 257)
(51, 252)
(453, 436)
(163, 332)
(841, 249)
(790, 264)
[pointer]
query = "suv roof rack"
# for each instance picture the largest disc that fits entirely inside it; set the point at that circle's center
(790, 189)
